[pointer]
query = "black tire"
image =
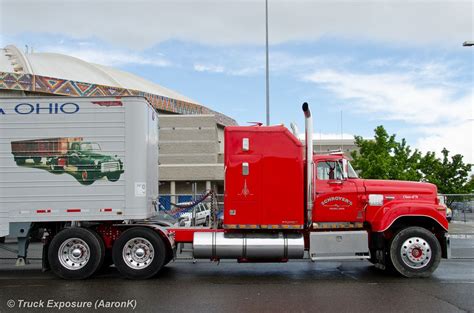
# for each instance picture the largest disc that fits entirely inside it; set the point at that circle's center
(20, 160)
(113, 177)
(207, 222)
(151, 265)
(37, 160)
(2, 239)
(90, 266)
(426, 246)
(108, 261)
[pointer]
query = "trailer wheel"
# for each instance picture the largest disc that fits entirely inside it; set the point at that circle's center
(20, 160)
(415, 252)
(76, 253)
(37, 160)
(139, 253)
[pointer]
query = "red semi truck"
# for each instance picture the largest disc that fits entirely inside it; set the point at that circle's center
(282, 202)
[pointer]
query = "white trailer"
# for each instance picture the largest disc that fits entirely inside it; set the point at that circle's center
(75, 161)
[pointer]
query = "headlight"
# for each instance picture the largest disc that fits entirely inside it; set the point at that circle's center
(96, 162)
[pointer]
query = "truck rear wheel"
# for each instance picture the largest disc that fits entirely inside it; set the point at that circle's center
(139, 253)
(415, 252)
(76, 253)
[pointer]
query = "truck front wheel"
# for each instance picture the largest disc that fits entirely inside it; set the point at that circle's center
(415, 252)
(76, 253)
(113, 177)
(139, 253)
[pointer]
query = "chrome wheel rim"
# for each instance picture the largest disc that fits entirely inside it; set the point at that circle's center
(138, 253)
(415, 252)
(74, 254)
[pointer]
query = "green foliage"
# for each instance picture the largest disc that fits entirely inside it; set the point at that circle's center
(386, 158)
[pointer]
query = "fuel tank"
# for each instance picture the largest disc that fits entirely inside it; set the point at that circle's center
(219, 245)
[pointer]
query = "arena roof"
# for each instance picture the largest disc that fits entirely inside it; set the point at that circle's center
(53, 73)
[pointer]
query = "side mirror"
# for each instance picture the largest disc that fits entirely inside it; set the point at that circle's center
(345, 167)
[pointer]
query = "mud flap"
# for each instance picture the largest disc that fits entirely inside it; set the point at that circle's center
(44, 260)
(446, 246)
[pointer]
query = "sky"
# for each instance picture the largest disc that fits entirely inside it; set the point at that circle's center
(396, 63)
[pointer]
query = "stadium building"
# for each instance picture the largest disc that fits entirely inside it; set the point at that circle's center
(191, 135)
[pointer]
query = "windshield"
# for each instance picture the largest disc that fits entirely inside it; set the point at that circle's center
(350, 171)
(89, 146)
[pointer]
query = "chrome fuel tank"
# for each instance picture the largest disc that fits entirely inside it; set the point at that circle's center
(220, 245)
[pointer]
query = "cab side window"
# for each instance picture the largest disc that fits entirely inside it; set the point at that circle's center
(329, 170)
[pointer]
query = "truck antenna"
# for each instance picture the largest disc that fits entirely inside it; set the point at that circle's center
(342, 134)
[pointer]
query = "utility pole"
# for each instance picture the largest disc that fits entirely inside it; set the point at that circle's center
(267, 79)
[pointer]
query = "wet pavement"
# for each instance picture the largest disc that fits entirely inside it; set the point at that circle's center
(299, 286)
(349, 286)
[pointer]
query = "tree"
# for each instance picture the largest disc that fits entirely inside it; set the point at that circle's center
(452, 176)
(386, 158)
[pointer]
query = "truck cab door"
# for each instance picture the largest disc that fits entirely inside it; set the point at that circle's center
(336, 199)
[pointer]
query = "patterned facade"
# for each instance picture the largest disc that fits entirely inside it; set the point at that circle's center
(64, 87)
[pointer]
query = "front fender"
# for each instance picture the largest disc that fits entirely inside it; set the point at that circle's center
(390, 212)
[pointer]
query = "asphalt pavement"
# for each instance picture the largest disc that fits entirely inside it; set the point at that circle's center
(349, 286)
(299, 286)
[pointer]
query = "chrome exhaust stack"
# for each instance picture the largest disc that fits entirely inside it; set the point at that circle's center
(308, 121)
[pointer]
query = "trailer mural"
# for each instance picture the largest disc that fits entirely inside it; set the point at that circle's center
(81, 159)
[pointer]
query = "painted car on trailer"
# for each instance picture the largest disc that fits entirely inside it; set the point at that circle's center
(81, 159)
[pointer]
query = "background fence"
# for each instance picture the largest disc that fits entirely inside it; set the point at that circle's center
(461, 205)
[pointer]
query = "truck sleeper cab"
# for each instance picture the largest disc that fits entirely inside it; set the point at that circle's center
(268, 216)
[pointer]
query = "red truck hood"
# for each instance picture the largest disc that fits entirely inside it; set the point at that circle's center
(404, 189)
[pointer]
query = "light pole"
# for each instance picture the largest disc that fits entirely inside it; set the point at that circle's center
(468, 43)
(267, 79)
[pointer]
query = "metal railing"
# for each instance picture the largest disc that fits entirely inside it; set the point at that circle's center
(461, 205)
(179, 206)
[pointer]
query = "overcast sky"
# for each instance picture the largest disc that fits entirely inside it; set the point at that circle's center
(397, 63)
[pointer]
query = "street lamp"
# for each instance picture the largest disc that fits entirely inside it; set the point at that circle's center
(468, 43)
(267, 80)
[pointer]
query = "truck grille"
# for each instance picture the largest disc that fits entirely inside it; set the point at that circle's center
(110, 167)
